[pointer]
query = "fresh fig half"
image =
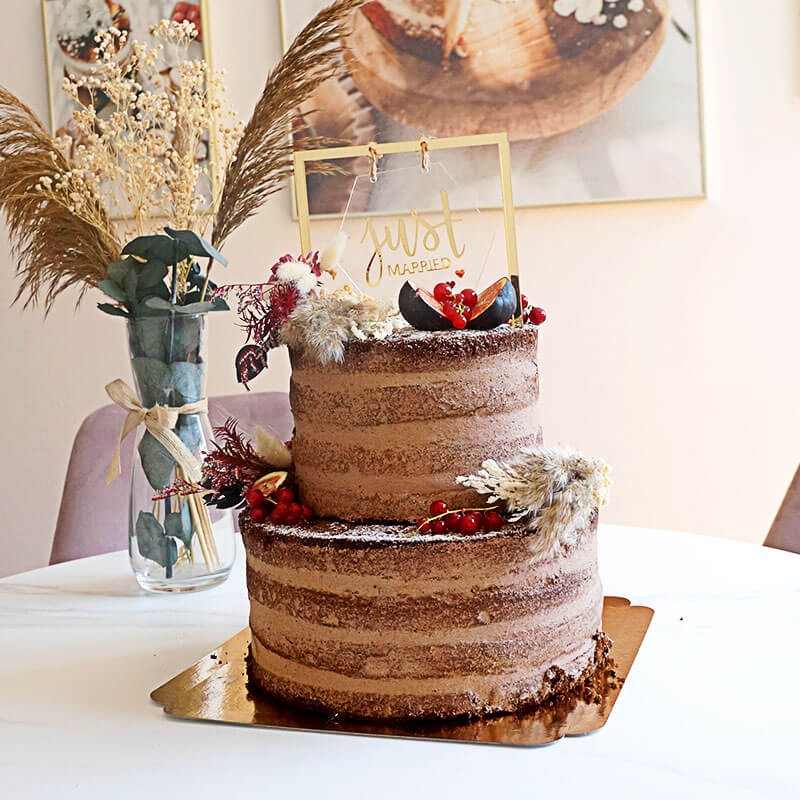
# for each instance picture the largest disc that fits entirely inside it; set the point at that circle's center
(270, 483)
(496, 306)
(421, 309)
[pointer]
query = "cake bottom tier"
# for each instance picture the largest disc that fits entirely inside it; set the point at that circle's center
(369, 621)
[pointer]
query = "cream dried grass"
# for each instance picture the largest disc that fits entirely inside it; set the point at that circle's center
(322, 324)
(556, 490)
(263, 160)
(55, 249)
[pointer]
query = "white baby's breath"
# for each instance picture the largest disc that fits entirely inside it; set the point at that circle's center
(142, 153)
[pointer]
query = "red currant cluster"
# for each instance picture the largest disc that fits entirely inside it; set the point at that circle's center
(281, 507)
(532, 314)
(456, 307)
(189, 12)
(466, 520)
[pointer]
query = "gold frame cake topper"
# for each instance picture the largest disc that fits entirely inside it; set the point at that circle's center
(374, 152)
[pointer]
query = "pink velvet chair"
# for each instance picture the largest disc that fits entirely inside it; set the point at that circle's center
(93, 516)
(785, 531)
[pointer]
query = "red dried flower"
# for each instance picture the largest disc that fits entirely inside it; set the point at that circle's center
(263, 309)
(233, 461)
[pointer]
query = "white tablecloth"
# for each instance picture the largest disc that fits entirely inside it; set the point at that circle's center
(711, 708)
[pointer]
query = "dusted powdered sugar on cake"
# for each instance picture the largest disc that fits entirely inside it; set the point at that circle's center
(381, 434)
(369, 621)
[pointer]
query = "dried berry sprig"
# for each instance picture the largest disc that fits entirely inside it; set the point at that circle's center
(181, 488)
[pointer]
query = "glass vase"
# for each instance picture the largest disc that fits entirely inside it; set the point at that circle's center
(176, 542)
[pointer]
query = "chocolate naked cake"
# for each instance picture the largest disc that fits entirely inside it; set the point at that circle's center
(371, 621)
(395, 573)
(397, 421)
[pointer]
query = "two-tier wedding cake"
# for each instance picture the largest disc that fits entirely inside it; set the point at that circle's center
(426, 556)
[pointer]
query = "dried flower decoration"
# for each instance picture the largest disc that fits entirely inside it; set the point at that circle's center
(233, 462)
(271, 449)
(556, 489)
(141, 154)
(322, 324)
(233, 466)
(264, 308)
(141, 158)
(331, 256)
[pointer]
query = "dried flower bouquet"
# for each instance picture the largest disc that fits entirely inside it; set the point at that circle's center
(138, 158)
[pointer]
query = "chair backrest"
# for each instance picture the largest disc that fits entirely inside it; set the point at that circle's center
(93, 516)
(785, 531)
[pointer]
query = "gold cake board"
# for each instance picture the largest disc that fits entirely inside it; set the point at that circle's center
(215, 690)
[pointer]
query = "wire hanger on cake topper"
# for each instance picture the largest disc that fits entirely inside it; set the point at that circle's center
(423, 239)
(374, 158)
(426, 155)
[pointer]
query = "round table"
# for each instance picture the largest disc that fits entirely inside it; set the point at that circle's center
(710, 709)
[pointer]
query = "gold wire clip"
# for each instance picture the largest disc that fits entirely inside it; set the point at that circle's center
(426, 155)
(374, 158)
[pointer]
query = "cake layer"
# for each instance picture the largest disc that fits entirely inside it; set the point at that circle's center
(388, 430)
(373, 621)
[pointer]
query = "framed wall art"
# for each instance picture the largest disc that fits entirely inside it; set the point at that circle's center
(70, 31)
(601, 100)
(432, 238)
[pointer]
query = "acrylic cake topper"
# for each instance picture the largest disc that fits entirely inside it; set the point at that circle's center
(440, 233)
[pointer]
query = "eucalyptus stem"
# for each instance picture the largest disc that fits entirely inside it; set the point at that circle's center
(208, 278)
(174, 301)
(174, 288)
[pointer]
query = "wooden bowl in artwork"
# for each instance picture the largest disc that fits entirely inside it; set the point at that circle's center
(532, 67)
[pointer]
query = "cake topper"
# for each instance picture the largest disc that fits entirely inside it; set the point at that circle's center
(441, 235)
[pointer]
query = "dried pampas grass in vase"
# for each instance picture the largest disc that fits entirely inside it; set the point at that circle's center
(263, 161)
(60, 240)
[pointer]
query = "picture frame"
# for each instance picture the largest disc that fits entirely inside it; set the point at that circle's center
(648, 146)
(498, 142)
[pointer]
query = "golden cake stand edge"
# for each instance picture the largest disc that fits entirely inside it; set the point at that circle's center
(215, 690)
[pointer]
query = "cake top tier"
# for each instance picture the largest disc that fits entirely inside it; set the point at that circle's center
(410, 350)
(392, 426)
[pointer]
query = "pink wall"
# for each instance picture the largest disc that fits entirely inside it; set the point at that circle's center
(672, 345)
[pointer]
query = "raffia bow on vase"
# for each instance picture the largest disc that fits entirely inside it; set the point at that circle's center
(160, 422)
